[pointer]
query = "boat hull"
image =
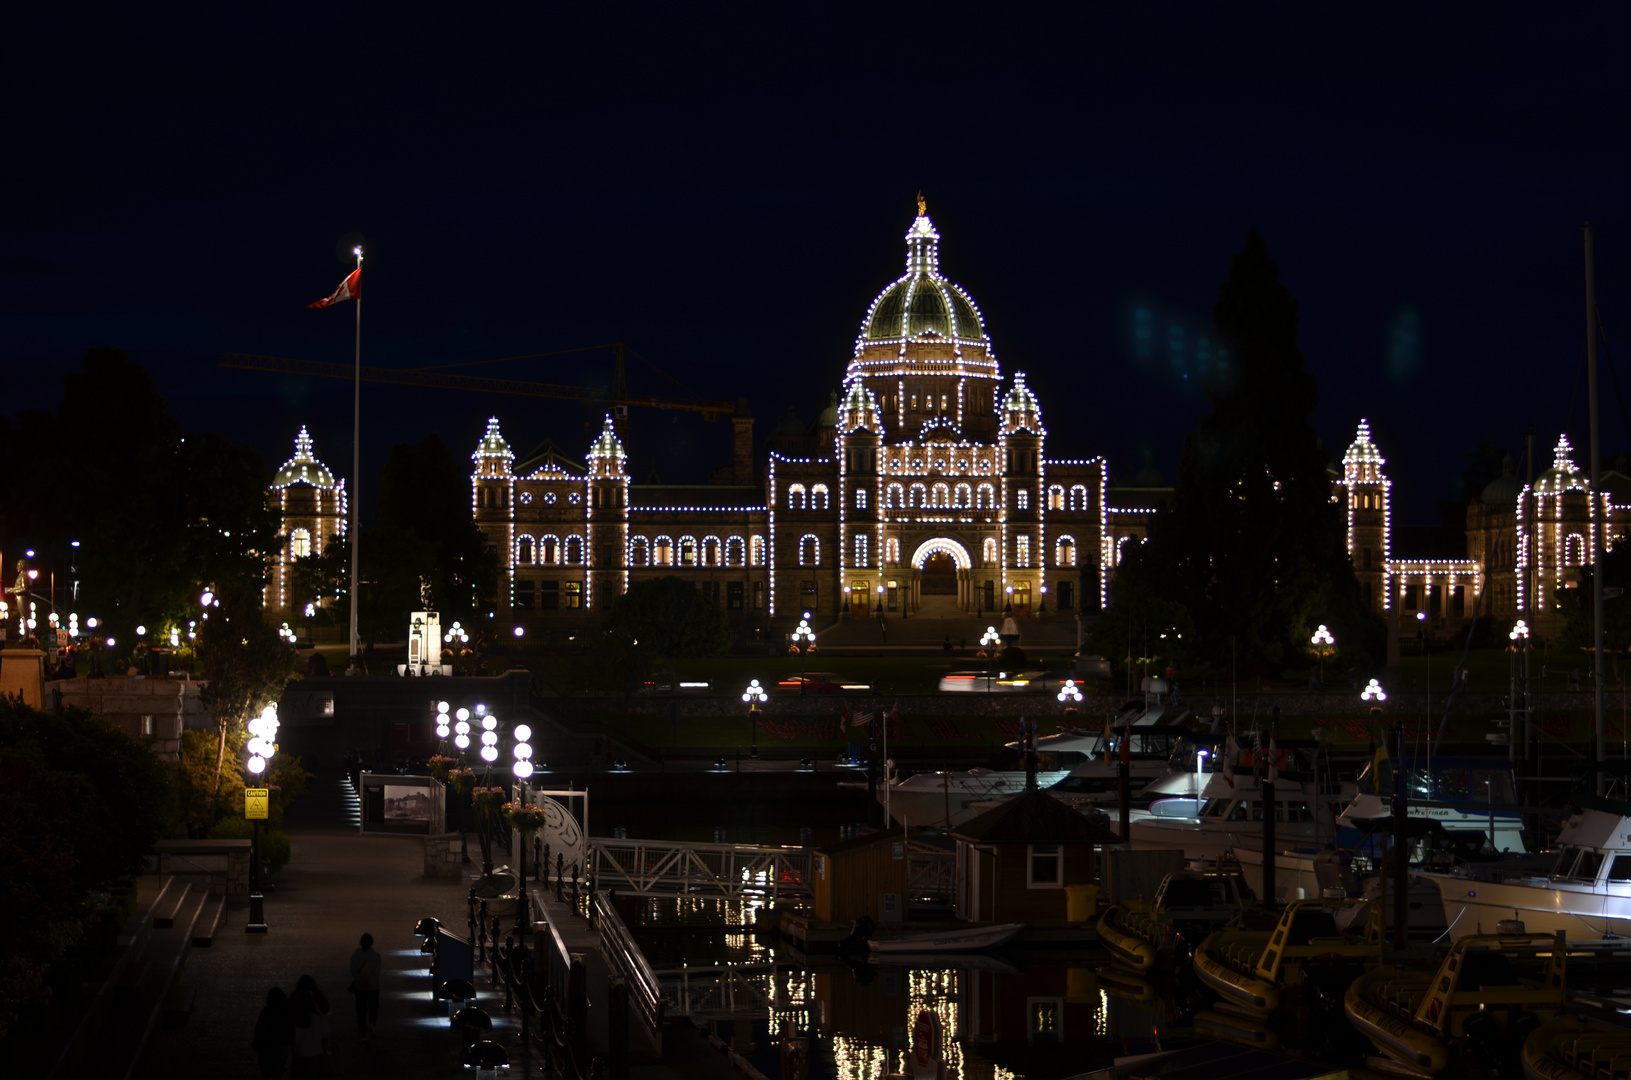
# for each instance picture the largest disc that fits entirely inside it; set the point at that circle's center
(1581, 912)
(971, 940)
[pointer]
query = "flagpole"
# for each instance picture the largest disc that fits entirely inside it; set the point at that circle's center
(356, 475)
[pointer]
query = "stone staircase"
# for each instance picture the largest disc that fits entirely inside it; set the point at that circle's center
(144, 990)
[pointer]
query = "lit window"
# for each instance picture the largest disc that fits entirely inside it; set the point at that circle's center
(665, 552)
(988, 551)
(809, 551)
(795, 497)
(891, 550)
(818, 497)
(1078, 498)
(1022, 498)
(756, 550)
(688, 551)
(860, 498)
(1065, 552)
(861, 551)
(896, 496)
(300, 543)
(985, 498)
(574, 594)
(1022, 550)
(1056, 498)
(733, 551)
(962, 496)
(523, 551)
(574, 549)
(637, 551)
(940, 496)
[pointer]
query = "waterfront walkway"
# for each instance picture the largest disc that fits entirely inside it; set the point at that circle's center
(338, 886)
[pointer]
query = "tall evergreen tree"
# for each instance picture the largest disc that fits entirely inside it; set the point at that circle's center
(1253, 545)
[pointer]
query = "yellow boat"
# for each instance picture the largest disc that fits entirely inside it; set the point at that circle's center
(1476, 999)
(1577, 1048)
(1251, 969)
(1127, 932)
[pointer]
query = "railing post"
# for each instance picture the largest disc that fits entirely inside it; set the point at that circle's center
(494, 950)
(617, 1027)
(560, 875)
(481, 942)
(509, 973)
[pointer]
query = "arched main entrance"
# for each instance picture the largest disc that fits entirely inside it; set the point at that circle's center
(942, 566)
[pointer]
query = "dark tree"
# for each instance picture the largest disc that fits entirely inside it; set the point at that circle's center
(157, 511)
(667, 618)
(1253, 546)
(247, 665)
(1484, 463)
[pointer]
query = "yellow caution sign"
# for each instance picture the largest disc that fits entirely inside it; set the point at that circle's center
(257, 800)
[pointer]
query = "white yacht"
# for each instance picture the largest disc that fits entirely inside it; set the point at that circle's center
(1461, 794)
(1587, 894)
(932, 799)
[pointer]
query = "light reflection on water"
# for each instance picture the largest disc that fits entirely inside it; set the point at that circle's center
(1015, 1016)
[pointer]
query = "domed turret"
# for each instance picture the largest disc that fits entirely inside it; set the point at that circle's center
(829, 415)
(860, 409)
(1363, 462)
(1562, 476)
(304, 468)
(1503, 491)
(1020, 410)
(606, 456)
(493, 456)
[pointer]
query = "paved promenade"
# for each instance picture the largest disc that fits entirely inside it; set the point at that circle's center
(338, 886)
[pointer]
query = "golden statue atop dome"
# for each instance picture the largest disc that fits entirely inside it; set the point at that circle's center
(922, 207)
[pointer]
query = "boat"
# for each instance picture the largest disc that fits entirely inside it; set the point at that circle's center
(1188, 905)
(1251, 970)
(1577, 1047)
(1587, 894)
(959, 939)
(1463, 795)
(932, 799)
(1479, 1001)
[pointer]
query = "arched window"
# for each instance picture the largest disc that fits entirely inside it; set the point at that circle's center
(962, 496)
(891, 551)
(861, 551)
(795, 496)
(896, 497)
(809, 550)
(664, 549)
(985, 497)
(639, 551)
(733, 551)
(688, 551)
(756, 550)
(818, 497)
(919, 495)
(940, 495)
(710, 551)
(1064, 551)
(1079, 499)
(1022, 498)
(1574, 550)
(988, 551)
(523, 551)
(860, 498)
(299, 544)
(574, 550)
(1122, 542)
(551, 550)
(1056, 497)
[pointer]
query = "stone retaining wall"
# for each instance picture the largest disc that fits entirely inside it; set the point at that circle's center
(220, 865)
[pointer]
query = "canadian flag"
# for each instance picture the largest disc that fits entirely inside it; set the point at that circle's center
(350, 289)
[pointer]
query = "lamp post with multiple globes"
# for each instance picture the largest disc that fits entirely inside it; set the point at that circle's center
(1324, 644)
(1519, 637)
(753, 697)
(261, 746)
(803, 642)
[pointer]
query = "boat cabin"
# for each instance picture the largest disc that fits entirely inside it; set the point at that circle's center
(1022, 860)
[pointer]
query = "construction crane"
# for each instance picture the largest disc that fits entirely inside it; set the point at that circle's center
(617, 397)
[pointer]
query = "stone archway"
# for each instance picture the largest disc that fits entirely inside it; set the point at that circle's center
(942, 584)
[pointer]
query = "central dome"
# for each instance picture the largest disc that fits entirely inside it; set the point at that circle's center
(922, 305)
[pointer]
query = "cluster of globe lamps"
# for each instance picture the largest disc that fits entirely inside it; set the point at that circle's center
(262, 739)
(461, 728)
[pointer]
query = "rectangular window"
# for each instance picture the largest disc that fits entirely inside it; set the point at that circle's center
(892, 596)
(710, 589)
(1458, 601)
(147, 724)
(1022, 550)
(574, 594)
(990, 596)
(1047, 869)
(1435, 599)
(549, 595)
(1412, 597)
(1621, 870)
(809, 593)
(758, 596)
(1067, 596)
(733, 595)
(523, 595)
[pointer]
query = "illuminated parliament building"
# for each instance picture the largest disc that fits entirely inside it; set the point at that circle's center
(924, 489)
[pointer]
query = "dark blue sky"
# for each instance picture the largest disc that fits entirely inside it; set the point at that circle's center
(726, 192)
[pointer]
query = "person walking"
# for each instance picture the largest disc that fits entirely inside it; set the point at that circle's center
(274, 1035)
(365, 966)
(311, 1036)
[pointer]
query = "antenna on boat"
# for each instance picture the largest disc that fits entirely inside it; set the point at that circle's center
(1596, 515)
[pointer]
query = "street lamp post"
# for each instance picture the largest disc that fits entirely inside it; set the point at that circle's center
(522, 770)
(754, 696)
(1519, 636)
(804, 642)
(262, 745)
(1323, 643)
(988, 641)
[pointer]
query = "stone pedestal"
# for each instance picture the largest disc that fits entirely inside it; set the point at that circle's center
(442, 856)
(22, 672)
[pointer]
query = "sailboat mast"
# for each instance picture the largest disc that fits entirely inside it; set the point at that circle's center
(1596, 512)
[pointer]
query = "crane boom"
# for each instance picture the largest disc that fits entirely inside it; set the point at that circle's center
(437, 380)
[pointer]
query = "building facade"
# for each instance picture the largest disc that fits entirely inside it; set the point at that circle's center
(311, 505)
(925, 488)
(1527, 544)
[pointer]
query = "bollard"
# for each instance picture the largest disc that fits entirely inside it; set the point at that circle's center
(543, 865)
(560, 875)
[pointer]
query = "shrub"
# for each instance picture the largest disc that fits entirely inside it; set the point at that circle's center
(275, 848)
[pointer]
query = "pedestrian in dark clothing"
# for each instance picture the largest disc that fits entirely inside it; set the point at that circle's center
(365, 966)
(311, 1035)
(274, 1035)
(307, 984)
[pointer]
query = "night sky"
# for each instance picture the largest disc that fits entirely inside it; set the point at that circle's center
(727, 192)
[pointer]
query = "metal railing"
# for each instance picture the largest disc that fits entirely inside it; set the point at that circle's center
(655, 866)
(623, 957)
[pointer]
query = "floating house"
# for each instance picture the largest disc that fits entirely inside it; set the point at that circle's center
(1029, 860)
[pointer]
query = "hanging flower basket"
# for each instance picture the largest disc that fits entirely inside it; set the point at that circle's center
(525, 817)
(441, 766)
(461, 779)
(489, 800)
